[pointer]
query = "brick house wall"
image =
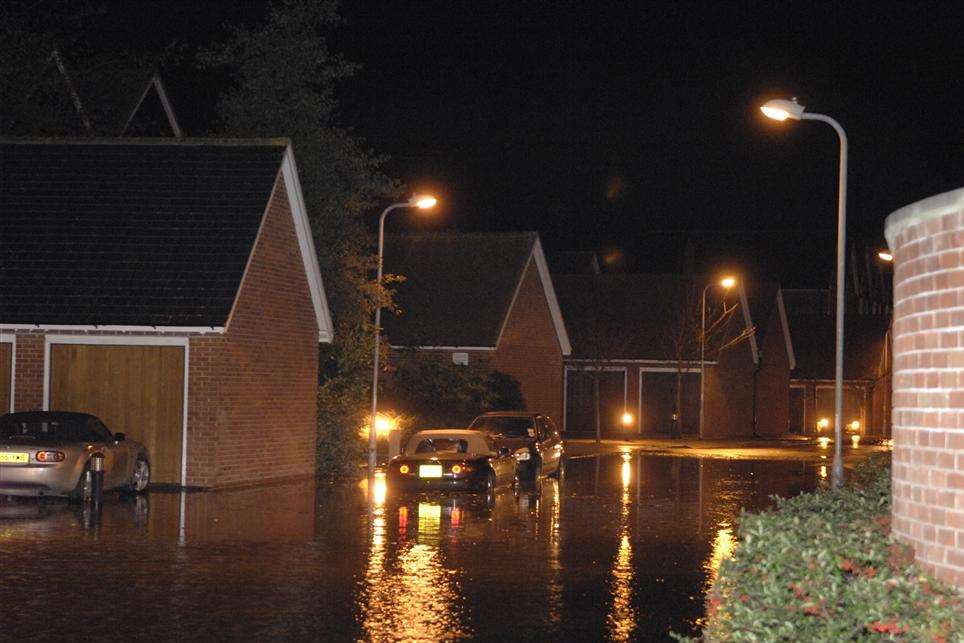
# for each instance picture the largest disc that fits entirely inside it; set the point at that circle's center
(252, 391)
(529, 348)
(728, 410)
(926, 239)
(773, 382)
(252, 401)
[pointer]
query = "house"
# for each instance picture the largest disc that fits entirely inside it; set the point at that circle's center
(867, 361)
(481, 296)
(171, 287)
(627, 352)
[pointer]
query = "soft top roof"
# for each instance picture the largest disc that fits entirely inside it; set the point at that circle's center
(478, 441)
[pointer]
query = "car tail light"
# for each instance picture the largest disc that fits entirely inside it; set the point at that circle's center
(459, 468)
(403, 469)
(50, 456)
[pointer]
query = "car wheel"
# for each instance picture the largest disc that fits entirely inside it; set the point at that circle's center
(560, 471)
(491, 482)
(141, 476)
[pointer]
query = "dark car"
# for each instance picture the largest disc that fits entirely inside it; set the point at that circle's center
(533, 439)
(451, 459)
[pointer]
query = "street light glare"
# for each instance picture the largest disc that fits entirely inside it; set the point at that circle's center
(728, 282)
(424, 202)
(781, 109)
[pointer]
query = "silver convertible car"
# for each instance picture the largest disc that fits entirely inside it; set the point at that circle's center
(47, 453)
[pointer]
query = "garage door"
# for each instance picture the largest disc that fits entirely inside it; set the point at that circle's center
(581, 403)
(138, 390)
(658, 402)
(6, 372)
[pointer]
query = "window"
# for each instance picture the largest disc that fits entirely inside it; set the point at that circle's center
(442, 445)
(512, 427)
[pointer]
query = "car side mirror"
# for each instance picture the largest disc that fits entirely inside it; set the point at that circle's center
(119, 437)
(504, 451)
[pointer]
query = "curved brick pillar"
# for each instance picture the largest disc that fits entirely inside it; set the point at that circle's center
(927, 240)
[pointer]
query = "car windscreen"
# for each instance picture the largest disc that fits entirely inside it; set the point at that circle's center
(49, 429)
(511, 427)
(442, 445)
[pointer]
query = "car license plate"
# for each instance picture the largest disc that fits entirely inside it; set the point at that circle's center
(14, 458)
(430, 471)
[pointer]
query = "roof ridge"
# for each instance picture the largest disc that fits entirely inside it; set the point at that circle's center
(119, 140)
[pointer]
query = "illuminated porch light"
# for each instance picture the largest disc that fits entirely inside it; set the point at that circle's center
(855, 425)
(627, 419)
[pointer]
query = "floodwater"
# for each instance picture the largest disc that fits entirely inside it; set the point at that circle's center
(622, 549)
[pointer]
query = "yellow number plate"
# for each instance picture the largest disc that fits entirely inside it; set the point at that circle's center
(15, 458)
(430, 471)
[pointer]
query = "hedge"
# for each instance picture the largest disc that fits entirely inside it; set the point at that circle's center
(823, 567)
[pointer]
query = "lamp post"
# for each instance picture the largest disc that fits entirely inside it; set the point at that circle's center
(422, 202)
(727, 283)
(781, 110)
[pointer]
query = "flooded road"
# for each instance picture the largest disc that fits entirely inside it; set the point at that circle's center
(623, 549)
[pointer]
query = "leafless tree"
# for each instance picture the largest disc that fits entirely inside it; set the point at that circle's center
(687, 329)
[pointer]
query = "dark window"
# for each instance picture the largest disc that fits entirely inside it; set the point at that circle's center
(99, 432)
(442, 445)
(511, 427)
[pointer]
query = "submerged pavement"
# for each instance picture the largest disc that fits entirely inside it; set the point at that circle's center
(622, 549)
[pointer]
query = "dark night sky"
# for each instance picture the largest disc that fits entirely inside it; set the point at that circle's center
(620, 125)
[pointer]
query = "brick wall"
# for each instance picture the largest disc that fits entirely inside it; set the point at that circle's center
(529, 349)
(927, 240)
(728, 410)
(773, 381)
(28, 384)
(252, 401)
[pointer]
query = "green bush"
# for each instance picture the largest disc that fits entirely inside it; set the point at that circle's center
(434, 392)
(823, 567)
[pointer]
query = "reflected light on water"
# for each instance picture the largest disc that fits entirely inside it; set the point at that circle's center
(379, 489)
(621, 620)
(823, 471)
(411, 596)
(723, 546)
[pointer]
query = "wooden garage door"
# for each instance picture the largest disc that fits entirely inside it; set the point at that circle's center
(6, 365)
(138, 390)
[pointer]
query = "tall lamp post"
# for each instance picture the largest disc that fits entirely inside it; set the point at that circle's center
(727, 283)
(423, 202)
(781, 110)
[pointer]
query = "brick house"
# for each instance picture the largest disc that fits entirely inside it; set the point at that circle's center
(866, 366)
(170, 287)
(621, 326)
(481, 296)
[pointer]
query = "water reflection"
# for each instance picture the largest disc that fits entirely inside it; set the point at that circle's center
(622, 548)
(408, 592)
(621, 621)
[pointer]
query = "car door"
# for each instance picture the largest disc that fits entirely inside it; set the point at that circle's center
(550, 444)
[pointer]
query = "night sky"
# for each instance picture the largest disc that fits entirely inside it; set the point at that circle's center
(636, 126)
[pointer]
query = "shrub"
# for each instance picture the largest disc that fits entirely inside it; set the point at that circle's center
(436, 392)
(823, 567)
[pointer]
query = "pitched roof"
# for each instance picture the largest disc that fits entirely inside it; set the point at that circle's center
(814, 344)
(459, 288)
(624, 316)
(137, 232)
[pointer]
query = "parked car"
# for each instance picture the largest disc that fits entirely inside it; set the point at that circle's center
(451, 459)
(47, 453)
(533, 439)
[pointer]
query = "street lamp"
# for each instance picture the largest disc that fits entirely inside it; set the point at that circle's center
(781, 110)
(422, 202)
(726, 283)
(883, 255)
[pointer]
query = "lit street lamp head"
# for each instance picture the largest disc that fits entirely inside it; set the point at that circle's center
(885, 256)
(728, 282)
(780, 109)
(423, 201)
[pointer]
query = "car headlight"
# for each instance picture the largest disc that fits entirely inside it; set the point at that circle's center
(522, 454)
